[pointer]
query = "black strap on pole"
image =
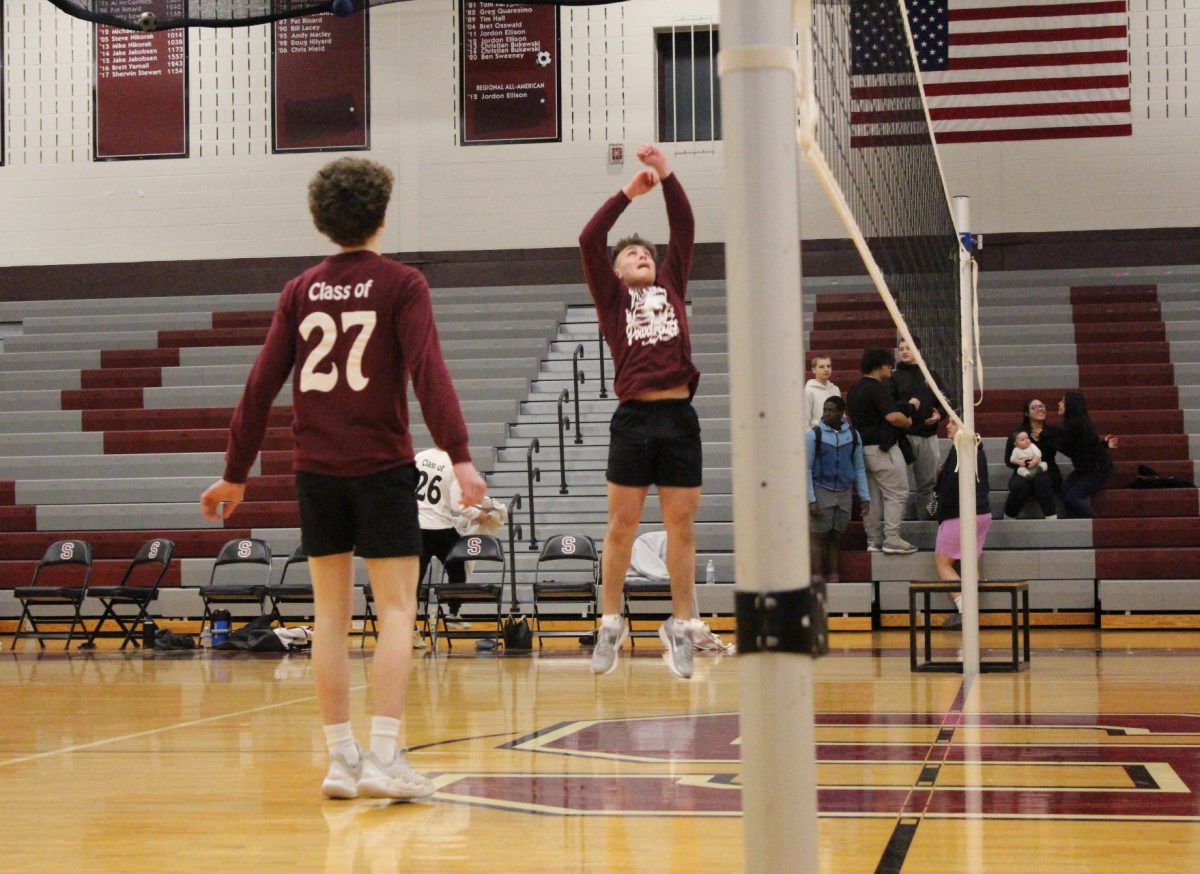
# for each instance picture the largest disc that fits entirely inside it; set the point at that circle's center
(791, 621)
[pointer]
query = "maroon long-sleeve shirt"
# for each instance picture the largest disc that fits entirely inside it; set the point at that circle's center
(351, 331)
(646, 328)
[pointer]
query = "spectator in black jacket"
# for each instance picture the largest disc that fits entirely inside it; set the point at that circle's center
(907, 383)
(948, 550)
(1089, 453)
(879, 419)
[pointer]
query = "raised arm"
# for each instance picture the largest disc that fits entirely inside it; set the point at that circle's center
(677, 265)
(593, 241)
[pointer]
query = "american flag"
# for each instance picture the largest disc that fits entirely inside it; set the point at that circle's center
(993, 70)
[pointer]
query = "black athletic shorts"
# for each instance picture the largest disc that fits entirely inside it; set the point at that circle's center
(655, 443)
(374, 516)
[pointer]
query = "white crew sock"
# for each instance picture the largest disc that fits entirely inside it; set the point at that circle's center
(957, 599)
(384, 732)
(339, 739)
(611, 619)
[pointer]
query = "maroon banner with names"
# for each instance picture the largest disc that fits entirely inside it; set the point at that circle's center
(141, 89)
(321, 93)
(508, 73)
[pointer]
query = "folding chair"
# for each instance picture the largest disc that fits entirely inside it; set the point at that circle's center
(245, 551)
(284, 592)
(560, 548)
(153, 552)
(649, 552)
(42, 594)
(474, 548)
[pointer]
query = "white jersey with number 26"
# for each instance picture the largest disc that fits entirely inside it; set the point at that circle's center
(439, 498)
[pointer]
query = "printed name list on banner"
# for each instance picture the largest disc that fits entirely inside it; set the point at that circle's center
(321, 78)
(141, 88)
(508, 73)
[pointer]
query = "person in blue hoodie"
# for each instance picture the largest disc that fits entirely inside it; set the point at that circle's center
(836, 470)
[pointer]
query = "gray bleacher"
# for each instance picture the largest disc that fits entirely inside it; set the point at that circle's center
(1025, 318)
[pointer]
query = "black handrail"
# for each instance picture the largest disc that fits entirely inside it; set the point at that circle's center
(600, 346)
(564, 423)
(576, 382)
(514, 534)
(533, 474)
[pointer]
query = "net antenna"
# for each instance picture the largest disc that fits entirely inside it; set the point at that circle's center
(864, 129)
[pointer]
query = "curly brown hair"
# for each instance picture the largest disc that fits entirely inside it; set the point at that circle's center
(633, 240)
(348, 198)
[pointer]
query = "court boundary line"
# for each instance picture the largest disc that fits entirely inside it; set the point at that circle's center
(191, 723)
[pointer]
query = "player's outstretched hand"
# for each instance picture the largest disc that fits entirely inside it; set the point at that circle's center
(471, 482)
(644, 181)
(652, 156)
(221, 492)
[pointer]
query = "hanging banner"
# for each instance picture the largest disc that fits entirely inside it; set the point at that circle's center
(321, 83)
(508, 73)
(140, 97)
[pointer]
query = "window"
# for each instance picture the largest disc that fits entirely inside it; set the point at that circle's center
(689, 90)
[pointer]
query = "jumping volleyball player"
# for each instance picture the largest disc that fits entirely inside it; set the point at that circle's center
(351, 331)
(655, 433)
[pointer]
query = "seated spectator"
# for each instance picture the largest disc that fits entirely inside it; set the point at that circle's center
(1089, 453)
(948, 550)
(836, 472)
(1044, 487)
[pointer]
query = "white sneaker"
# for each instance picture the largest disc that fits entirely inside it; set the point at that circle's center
(396, 779)
(678, 647)
(704, 641)
(341, 781)
(418, 640)
(608, 644)
(874, 546)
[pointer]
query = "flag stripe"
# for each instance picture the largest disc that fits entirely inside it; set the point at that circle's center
(1018, 73)
(1000, 61)
(1049, 23)
(1032, 97)
(1039, 50)
(1010, 110)
(1060, 34)
(1044, 133)
(1038, 11)
(1033, 122)
(1017, 85)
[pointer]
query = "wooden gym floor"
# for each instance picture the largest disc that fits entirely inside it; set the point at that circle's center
(1089, 762)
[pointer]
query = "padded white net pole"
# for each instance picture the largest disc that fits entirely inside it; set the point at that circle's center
(770, 476)
(965, 442)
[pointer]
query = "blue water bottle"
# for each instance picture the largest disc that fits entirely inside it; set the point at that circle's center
(220, 626)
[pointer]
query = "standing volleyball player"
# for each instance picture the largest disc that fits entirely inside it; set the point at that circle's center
(350, 332)
(655, 433)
